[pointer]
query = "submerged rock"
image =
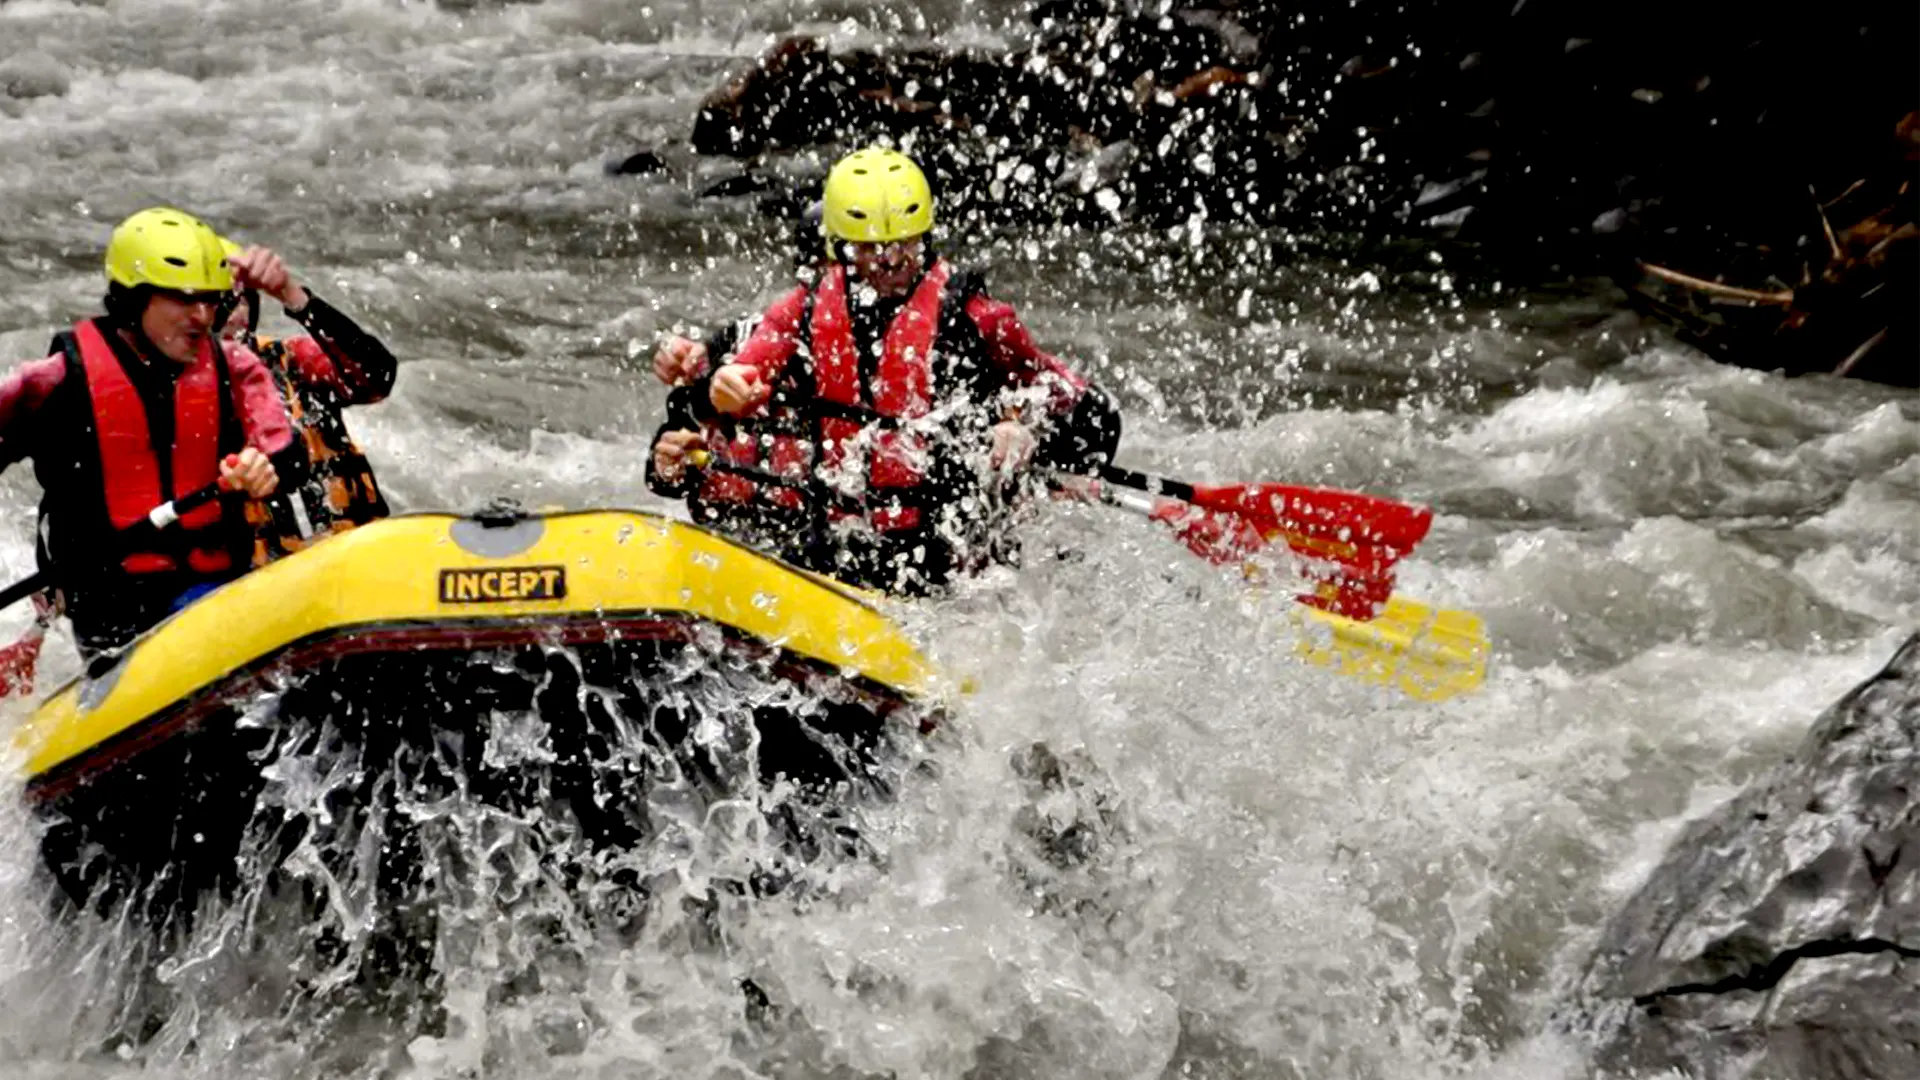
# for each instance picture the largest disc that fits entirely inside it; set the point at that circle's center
(639, 163)
(1780, 937)
(33, 74)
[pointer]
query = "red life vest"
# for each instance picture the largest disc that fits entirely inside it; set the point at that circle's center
(782, 454)
(779, 441)
(130, 467)
(900, 388)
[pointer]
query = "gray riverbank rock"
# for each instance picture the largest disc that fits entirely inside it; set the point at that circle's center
(1780, 936)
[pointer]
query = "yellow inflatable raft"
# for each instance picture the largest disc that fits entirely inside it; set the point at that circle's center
(400, 645)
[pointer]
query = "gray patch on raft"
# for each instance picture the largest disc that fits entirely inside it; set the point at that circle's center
(497, 540)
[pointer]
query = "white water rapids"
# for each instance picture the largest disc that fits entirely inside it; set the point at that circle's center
(1292, 875)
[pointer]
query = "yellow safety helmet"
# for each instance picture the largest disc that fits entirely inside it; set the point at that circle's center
(168, 249)
(876, 196)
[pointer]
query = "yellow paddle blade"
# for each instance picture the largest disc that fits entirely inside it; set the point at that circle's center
(1425, 653)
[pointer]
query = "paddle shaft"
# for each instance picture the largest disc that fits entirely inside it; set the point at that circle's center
(1374, 653)
(158, 520)
(1357, 536)
(861, 415)
(1112, 474)
(1152, 485)
(705, 459)
(1349, 504)
(25, 587)
(1138, 504)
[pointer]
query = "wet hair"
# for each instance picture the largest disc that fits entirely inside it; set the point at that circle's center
(125, 304)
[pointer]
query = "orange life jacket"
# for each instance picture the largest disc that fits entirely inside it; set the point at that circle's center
(340, 492)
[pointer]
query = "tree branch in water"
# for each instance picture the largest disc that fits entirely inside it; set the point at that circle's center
(1866, 347)
(1781, 298)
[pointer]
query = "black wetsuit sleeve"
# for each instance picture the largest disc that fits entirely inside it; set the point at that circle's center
(1087, 437)
(968, 366)
(366, 368)
(1080, 439)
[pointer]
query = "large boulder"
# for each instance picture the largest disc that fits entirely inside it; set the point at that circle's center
(1760, 213)
(1780, 937)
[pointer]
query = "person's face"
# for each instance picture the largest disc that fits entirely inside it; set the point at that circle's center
(179, 323)
(890, 268)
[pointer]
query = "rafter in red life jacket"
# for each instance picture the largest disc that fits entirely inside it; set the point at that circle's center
(131, 470)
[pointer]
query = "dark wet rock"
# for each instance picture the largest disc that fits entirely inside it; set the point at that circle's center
(739, 184)
(1006, 137)
(798, 94)
(1780, 937)
(1558, 139)
(1849, 310)
(33, 74)
(638, 163)
(1343, 114)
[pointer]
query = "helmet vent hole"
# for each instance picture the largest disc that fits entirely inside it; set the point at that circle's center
(861, 171)
(914, 209)
(175, 260)
(859, 215)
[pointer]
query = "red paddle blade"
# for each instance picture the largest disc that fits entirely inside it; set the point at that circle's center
(1337, 519)
(1347, 542)
(17, 663)
(1217, 538)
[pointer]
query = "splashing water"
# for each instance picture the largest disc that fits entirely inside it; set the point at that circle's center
(1151, 844)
